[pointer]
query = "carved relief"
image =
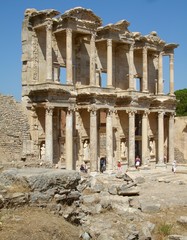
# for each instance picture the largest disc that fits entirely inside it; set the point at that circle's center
(35, 56)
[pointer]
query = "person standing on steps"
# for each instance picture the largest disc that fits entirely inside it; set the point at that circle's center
(102, 164)
(137, 162)
(174, 166)
(119, 166)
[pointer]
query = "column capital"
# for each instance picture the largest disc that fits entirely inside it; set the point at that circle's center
(110, 111)
(93, 36)
(92, 108)
(160, 53)
(171, 56)
(71, 109)
(49, 24)
(109, 42)
(144, 49)
(146, 113)
(33, 109)
(172, 114)
(131, 46)
(161, 113)
(68, 31)
(49, 110)
(131, 112)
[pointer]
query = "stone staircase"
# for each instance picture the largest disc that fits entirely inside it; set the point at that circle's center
(164, 175)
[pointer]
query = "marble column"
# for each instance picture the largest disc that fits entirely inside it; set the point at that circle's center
(109, 63)
(69, 139)
(49, 61)
(160, 74)
(49, 134)
(93, 140)
(131, 153)
(56, 73)
(109, 139)
(34, 125)
(171, 73)
(131, 67)
(160, 137)
(92, 61)
(69, 65)
(144, 83)
(145, 138)
(171, 137)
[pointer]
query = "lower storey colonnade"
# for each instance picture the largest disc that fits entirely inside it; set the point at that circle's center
(72, 137)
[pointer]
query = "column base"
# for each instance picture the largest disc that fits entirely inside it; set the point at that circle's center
(69, 82)
(145, 91)
(130, 89)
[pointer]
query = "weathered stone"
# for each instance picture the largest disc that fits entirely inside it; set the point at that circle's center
(85, 236)
(90, 199)
(16, 199)
(139, 180)
(38, 197)
(41, 179)
(182, 220)
(97, 188)
(112, 189)
(177, 237)
(128, 190)
(150, 207)
(74, 195)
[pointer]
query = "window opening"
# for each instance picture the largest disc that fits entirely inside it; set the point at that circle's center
(166, 76)
(137, 84)
(63, 75)
(103, 80)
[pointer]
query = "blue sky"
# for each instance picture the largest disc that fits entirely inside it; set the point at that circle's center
(167, 17)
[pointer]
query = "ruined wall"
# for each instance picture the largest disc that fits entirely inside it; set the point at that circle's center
(13, 129)
(181, 139)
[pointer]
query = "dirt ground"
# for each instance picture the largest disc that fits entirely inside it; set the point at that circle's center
(35, 224)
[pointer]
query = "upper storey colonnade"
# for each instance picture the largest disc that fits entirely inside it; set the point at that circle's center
(77, 39)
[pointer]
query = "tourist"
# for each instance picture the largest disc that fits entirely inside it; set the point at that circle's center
(137, 162)
(102, 164)
(83, 168)
(174, 166)
(119, 166)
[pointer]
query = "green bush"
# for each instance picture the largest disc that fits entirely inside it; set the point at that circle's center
(165, 229)
(181, 96)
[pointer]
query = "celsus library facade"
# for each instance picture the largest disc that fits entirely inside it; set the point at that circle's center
(91, 90)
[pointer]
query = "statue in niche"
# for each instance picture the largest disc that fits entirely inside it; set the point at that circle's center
(42, 152)
(151, 147)
(123, 149)
(62, 152)
(86, 150)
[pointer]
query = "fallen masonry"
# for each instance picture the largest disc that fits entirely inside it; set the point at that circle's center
(100, 204)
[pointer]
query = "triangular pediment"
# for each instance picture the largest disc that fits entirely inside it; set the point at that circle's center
(83, 14)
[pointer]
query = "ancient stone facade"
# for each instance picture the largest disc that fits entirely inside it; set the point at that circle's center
(91, 90)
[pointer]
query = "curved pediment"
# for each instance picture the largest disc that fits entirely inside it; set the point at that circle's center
(83, 14)
(154, 38)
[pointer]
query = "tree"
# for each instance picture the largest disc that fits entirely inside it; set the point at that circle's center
(181, 96)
